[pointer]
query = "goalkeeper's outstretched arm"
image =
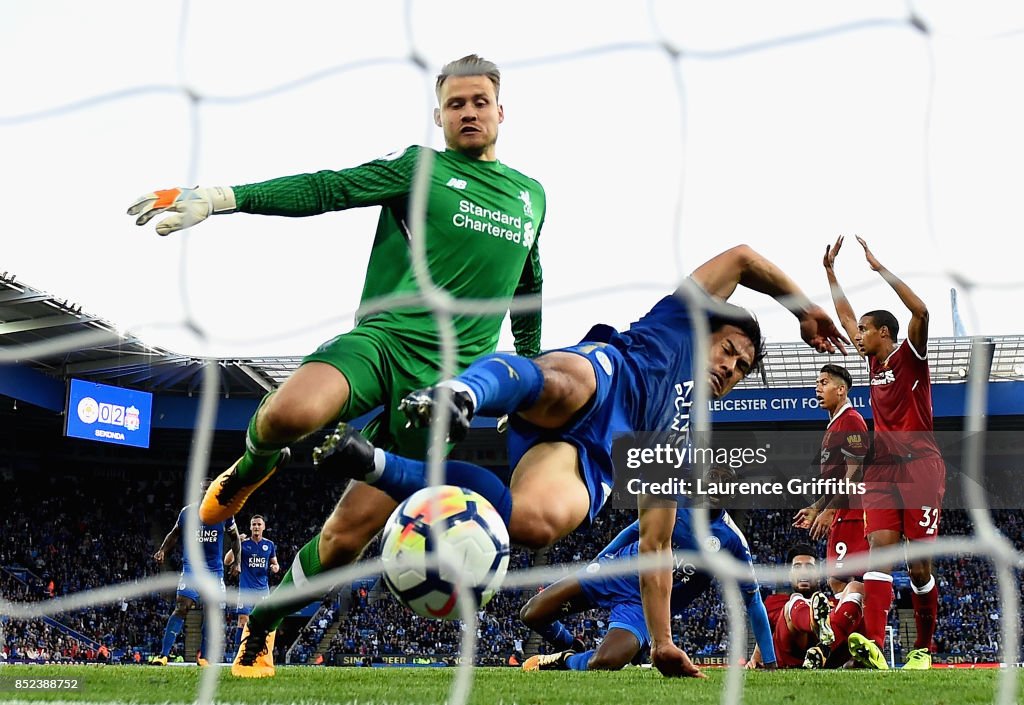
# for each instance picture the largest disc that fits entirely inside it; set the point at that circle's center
(372, 184)
(187, 206)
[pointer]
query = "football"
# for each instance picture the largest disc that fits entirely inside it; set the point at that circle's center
(473, 544)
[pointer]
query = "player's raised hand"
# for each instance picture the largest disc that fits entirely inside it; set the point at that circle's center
(803, 518)
(159, 557)
(187, 206)
(821, 524)
(830, 253)
(872, 260)
(818, 331)
(673, 662)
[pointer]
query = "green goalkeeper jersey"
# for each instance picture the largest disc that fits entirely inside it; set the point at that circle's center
(482, 224)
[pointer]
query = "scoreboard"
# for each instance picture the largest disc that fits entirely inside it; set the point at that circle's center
(100, 412)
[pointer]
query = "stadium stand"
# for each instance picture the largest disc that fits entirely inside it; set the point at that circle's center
(65, 531)
(108, 538)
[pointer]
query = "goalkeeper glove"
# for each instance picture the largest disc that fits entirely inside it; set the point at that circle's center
(187, 205)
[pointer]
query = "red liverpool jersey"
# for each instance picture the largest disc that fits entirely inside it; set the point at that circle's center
(845, 437)
(901, 402)
(773, 605)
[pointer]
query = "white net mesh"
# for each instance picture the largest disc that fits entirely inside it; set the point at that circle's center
(656, 128)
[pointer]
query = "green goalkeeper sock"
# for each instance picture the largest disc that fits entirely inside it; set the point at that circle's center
(304, 567)
(260, 456)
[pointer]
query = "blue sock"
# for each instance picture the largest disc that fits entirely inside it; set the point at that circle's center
(482, 481)
(557, 635)
(238, 638)
(403, 476)
(503, 383)
(171, 632)
(579, 662)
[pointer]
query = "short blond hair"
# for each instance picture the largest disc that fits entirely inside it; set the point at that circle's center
(470, 65)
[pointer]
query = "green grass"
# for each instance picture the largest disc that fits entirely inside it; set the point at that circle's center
(405, 686)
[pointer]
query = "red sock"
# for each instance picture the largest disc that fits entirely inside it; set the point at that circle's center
(845, 619)
(878, 598)
(800, 616)
(926, 610)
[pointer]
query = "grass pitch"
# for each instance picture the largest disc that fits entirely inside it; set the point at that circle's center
(408, 686)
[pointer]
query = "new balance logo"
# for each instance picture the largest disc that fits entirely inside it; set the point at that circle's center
(457, 183)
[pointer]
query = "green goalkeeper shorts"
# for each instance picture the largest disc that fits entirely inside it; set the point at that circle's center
(381, 369)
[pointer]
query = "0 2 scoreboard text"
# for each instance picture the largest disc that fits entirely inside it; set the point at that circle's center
(100, 412)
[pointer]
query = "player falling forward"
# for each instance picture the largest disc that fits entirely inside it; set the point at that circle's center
(211, 543)
(844, 446)
(906, 479)
(567, 406)
(483, 222)
(627, 630)
(259, 560)
(806, 627)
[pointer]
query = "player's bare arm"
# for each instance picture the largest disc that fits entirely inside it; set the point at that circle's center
(742, 265)
(755, 660)
(237, 539)
(806, 517)
(275, 567)
(917, 329)
(657, 517)
(803, 518)
(847, 316)
(817, 518)
(169, 542)
(854, 473)
(820, 526)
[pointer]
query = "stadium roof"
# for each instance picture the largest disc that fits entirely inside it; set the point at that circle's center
(63, 341)
(796, 365)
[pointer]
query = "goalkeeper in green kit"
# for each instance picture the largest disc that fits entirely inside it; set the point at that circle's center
(483, 219)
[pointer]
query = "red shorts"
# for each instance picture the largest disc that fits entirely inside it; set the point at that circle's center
(845, 539)
(908, 501)
(790, 646)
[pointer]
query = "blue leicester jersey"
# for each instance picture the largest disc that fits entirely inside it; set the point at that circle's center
(687, 580)
(211, 541)
(256, 557)
(659, 350)
(724, 535)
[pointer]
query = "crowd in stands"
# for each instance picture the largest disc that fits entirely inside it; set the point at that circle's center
(304, 648)
(52, 547)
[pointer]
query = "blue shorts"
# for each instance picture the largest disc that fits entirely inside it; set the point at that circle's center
(630, 616)
(187, 589)
(592, 432)
(619, 594)
(248, 599)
